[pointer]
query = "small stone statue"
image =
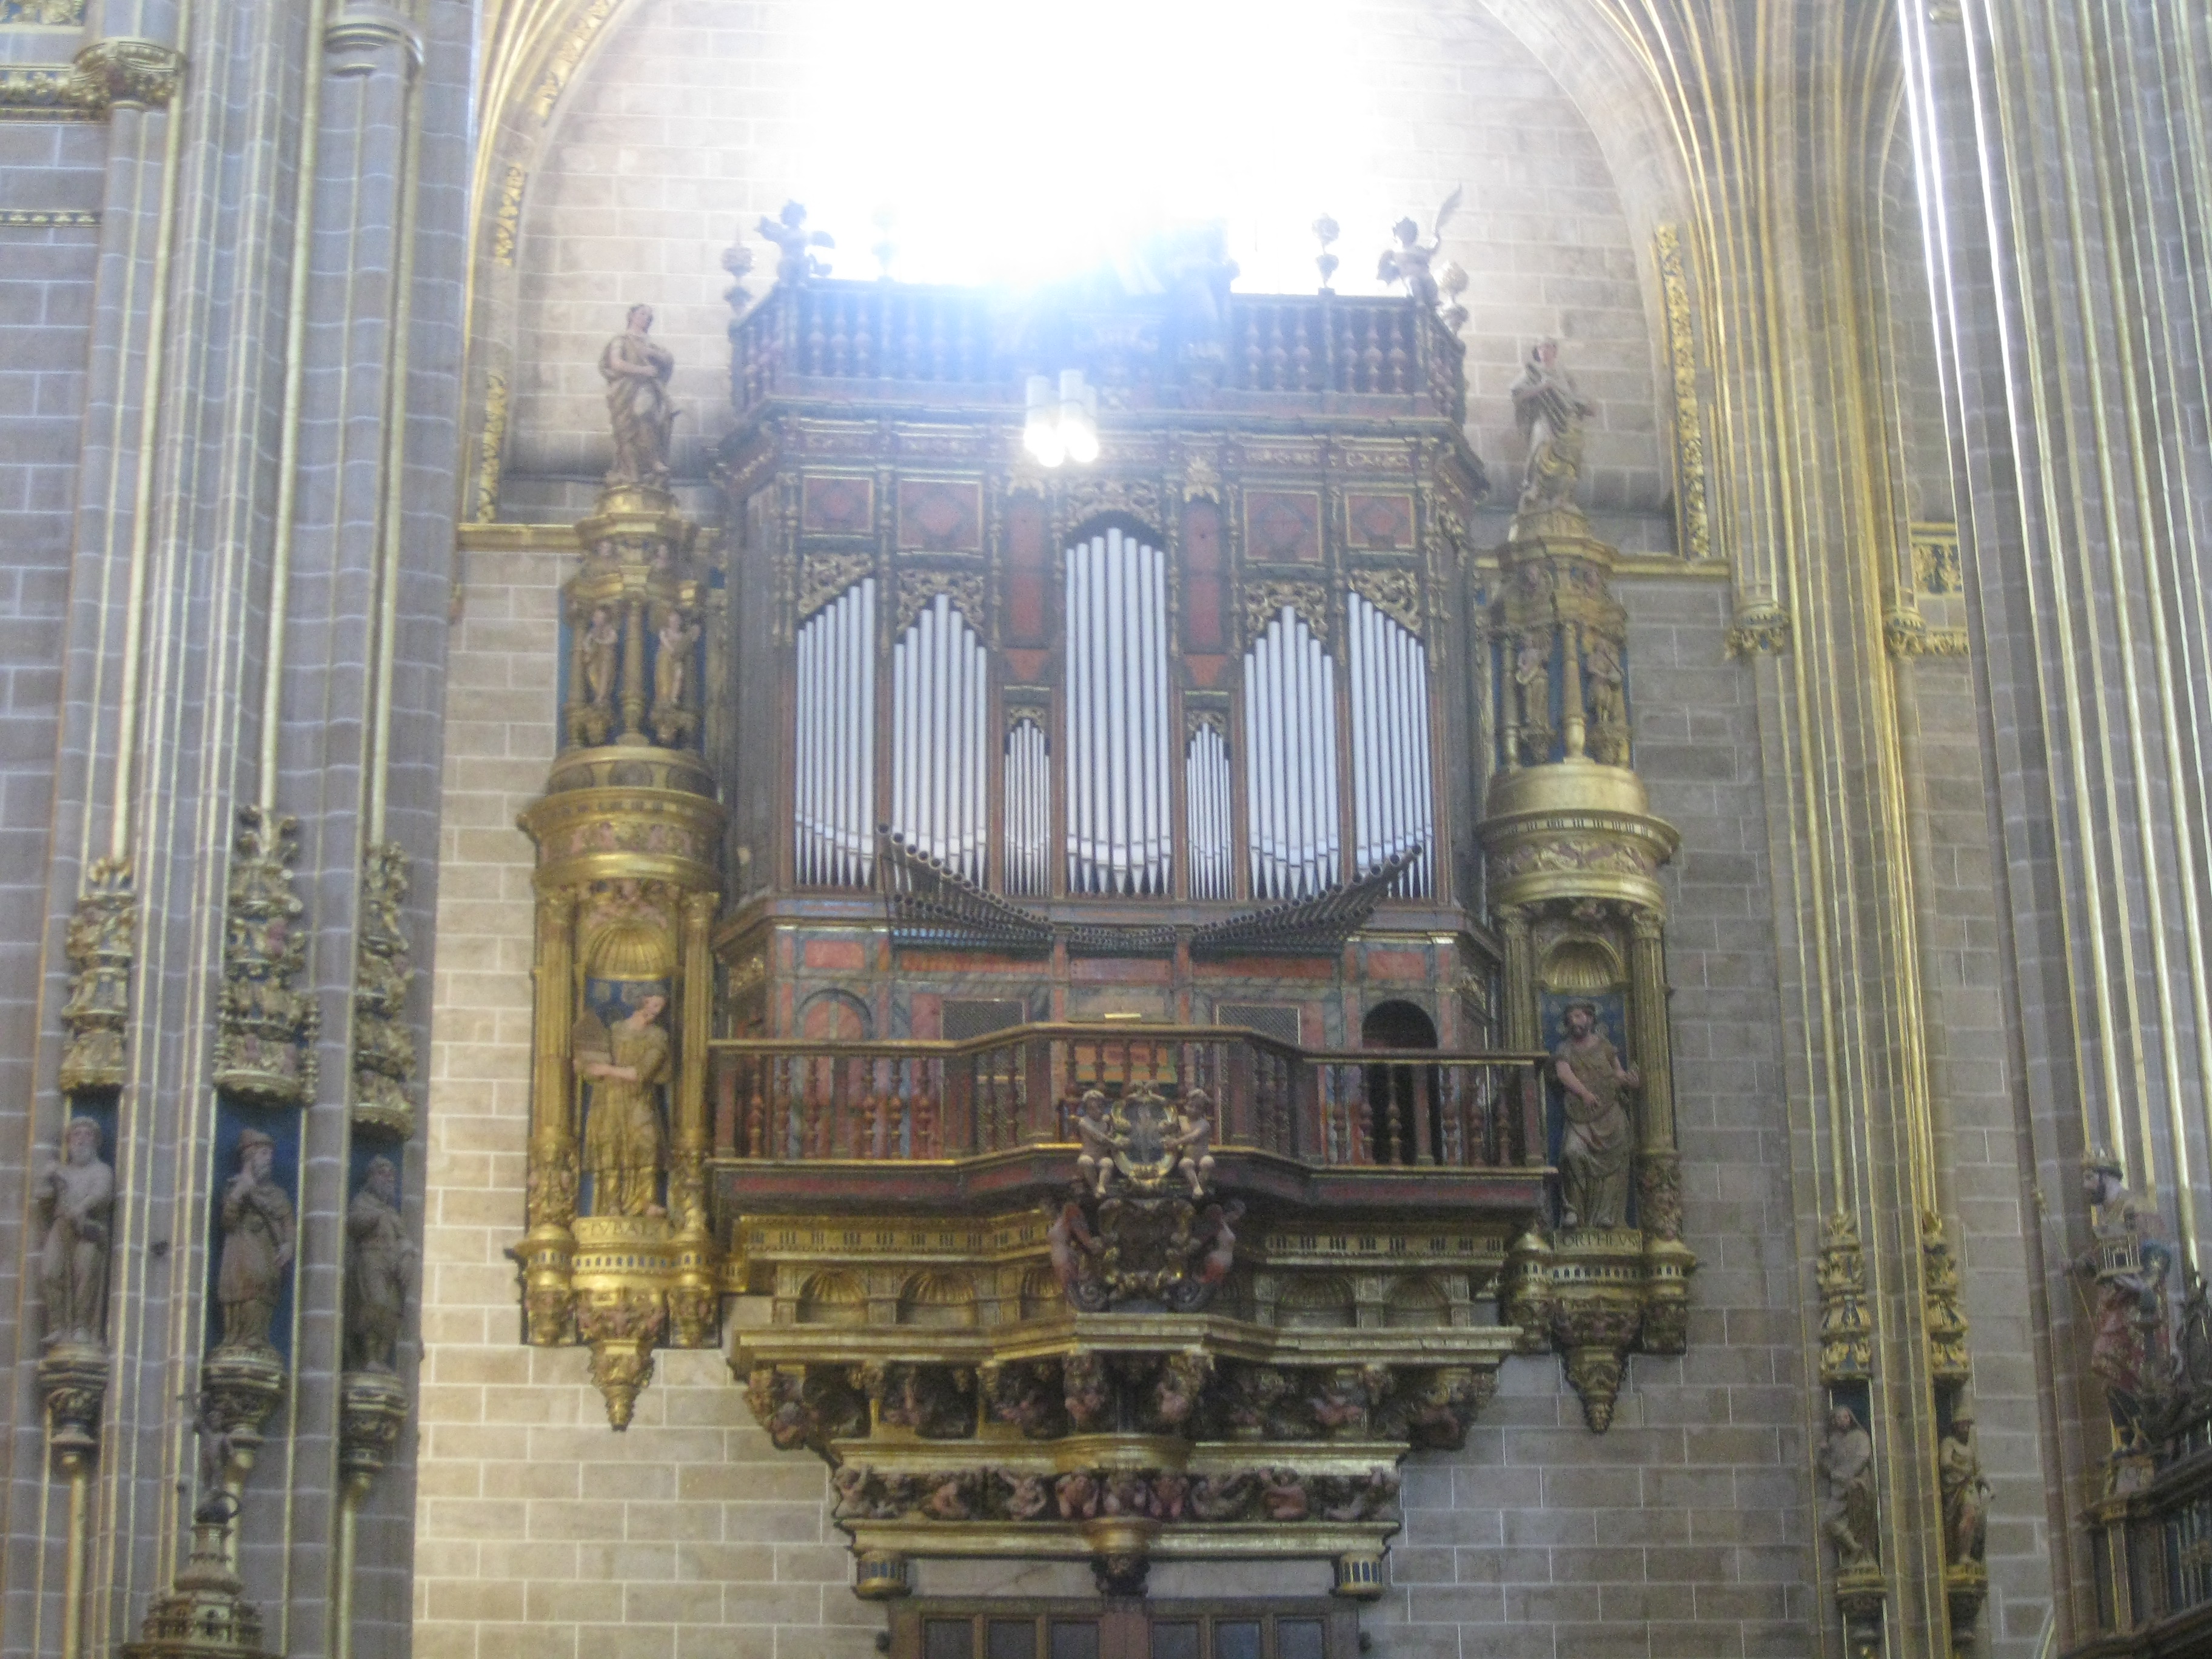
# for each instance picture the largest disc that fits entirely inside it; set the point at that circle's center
(671, 667)
(257, 1237)
(1966, 1494)
(1192, 1134)
(1096, 1161)
(1409, 261)
(1847, 1460)
(75, 1201)
(636, 370)
(380, 1262)
(1550, 413)
(1600, 1141)
(795, 245)
(602, 640)
(1532, 682)
(624, 1147)
(1603, 687)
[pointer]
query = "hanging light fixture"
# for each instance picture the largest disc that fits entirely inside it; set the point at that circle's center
(1063, 428)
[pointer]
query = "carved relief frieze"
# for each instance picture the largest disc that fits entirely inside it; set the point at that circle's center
(917, 588)
(384, 1057)
(1265, 600)
(1395, 590)
(824, 576)
(267, 1022)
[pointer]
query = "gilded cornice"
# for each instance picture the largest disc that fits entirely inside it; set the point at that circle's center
(125, 70)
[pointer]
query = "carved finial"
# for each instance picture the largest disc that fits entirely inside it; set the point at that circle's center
(1326, 230)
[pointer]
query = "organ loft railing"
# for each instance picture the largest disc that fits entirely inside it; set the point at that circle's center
(823, 1102)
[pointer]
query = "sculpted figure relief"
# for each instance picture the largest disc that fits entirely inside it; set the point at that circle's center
(624, 1147)
(636, 370)
(1409, 259)
(1847, 1460)
(1600, 1141)
(1966, 1494)
(671, 667)
(1550, 413)
(380, 1262)
(75, 1201)
(2131, 1351)
(258, 1239)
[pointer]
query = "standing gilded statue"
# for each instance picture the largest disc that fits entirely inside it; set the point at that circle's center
(625, 1146)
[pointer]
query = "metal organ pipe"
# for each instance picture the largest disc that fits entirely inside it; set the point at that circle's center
(833, 740)
(1394, 801)
(1206, 789)
(940, 711)
(1029, 806)
(1118, 839)
(1290, 774)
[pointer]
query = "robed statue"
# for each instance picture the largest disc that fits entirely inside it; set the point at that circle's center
(1846, 1458)
(1550, 413)
(258, 1231)
(1966, 1494)
(1599, 1143)
(379, 1263)
(75, 1201)
(636, 370)
(625, 1149)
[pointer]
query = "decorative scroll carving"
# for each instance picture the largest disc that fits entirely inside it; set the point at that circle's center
(1935, 566)
(916, 588)
(383, 1045)
(1760, 626)
(1948, 1363)
(621, 1325)
(264, 1045)
(102, 944)
(1201, 479)
(506, 215)
(1396, 592)
(824, 576)
(1696, 522)
(1086, 498)
(1131, 1235)
(1264, 602)
(491, 448)
(124, 69)
(1907, 634)
(568, 55)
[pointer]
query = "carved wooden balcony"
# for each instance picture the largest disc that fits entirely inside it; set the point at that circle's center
(1221, 1345)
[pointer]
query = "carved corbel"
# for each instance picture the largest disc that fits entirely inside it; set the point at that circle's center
(622, 1324)
(125, 70)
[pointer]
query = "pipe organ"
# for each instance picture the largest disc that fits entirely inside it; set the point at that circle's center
(1118, 814)
(1158, 829)
(939, 719)
(832, 729)
(1391, 793)
(1290, 759)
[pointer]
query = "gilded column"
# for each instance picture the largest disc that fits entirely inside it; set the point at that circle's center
(694, 1296)
(550, 1245)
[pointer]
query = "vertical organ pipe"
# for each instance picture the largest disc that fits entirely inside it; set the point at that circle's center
(833, 740)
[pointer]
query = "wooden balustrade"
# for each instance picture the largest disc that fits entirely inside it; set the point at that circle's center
(897, 334)
(794, 1100)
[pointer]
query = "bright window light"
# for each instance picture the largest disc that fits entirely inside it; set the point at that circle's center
(1020, 141)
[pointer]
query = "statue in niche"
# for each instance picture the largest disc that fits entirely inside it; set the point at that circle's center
(1603, 681)
(1550, 413)
(636, 370)
(380, 1262)
(1409, 261)
(2131, 1352)
(625, 1148)
(1599, 1146)
(1847, 1460)
(602, 638)
(257, 1237)
(1532, 684)
(671, 669)
(76, 1204)
(1966, 1494)
(795, 245)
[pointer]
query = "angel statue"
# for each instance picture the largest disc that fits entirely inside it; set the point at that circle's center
(637, 371)
(1550, 413)
(1408, 261)
(795, 244)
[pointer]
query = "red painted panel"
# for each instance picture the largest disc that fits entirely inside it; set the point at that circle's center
(838, 507)
(1397, 964)
(940, 515)
(1118, 970)
(1028, 568)
(1283, 526)
(1205, 598)
(843, 955)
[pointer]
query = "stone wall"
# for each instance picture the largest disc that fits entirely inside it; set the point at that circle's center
(1682, 1531)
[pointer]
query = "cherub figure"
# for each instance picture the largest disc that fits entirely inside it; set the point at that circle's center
(1408, 261)
(1194, 1132)
(795, 244)
(1095, 1163)
(1028, 1496)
